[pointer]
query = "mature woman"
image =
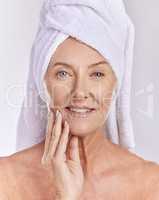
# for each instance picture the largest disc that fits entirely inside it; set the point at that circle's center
(79, 162)
(76, 160)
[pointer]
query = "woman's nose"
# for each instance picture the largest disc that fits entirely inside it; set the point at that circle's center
(80, 90)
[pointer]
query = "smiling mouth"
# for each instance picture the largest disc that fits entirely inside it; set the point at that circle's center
(82, 112)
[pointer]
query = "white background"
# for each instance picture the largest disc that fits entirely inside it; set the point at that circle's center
(18, 25)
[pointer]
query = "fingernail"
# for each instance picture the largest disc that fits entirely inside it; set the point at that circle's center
(65, 123)
(57, 113)
(60, 115)
(43, 160)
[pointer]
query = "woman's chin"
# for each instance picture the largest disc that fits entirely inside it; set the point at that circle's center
(81, 130)
(79, 134)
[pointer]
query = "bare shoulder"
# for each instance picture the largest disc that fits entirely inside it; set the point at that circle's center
(144, 176)
(148, 171)
(12, 168)
(5, 168)
(21, 173)
(151, 171)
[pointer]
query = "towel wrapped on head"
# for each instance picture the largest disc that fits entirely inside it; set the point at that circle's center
(101, 24)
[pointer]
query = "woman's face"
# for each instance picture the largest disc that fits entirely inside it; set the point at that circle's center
(80, 83)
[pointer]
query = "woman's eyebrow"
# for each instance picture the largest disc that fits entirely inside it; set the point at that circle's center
(89, 66)
(98, 63)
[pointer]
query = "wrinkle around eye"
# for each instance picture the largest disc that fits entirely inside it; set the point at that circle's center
(59, 72)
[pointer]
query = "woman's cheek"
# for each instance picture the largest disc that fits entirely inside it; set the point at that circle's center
(60, 95)
(105, 98)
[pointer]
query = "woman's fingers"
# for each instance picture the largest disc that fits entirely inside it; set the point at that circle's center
(62, 146)
(56, 133)
(57, 141)
(74, 150)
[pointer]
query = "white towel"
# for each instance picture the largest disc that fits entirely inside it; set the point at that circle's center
(102, 24)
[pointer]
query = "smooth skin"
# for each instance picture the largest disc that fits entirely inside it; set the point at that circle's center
(76, 160)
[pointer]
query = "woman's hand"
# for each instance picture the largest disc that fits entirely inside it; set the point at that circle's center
(68, 173)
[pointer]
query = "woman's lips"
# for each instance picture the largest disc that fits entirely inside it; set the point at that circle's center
(80, 114)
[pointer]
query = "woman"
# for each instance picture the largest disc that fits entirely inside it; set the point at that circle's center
(76, 160)
(93, 167)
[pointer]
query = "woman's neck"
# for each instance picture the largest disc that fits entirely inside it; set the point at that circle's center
(94, 149)
(97, 153)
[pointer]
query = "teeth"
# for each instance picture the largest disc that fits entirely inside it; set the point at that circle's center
(79, 110)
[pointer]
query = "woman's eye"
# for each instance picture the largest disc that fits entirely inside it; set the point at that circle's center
(62, 73)
(98, 74)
